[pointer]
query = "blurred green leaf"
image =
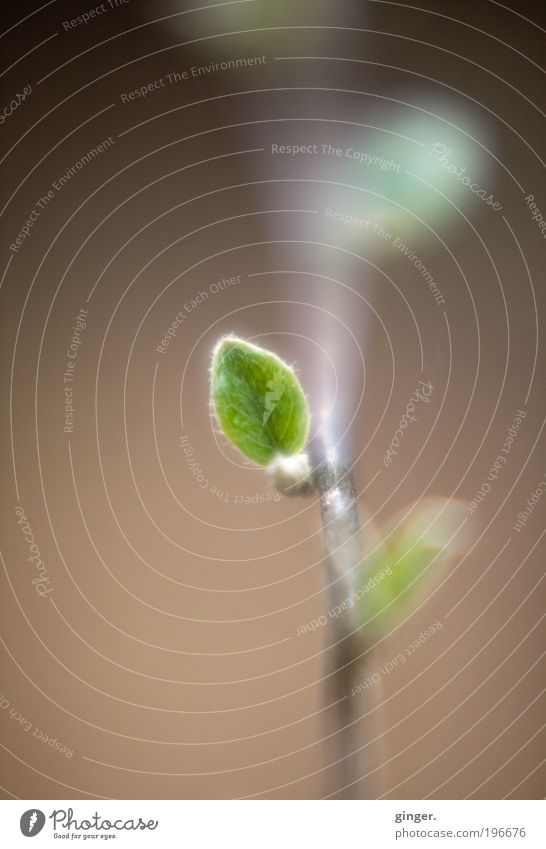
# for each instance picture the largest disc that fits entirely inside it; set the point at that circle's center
(258, 401)
(404, 562)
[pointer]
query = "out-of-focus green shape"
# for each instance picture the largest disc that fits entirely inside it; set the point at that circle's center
(409, 188)
(403, 564)
(258, 401)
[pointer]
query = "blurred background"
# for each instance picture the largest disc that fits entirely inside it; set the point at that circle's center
(352, 185)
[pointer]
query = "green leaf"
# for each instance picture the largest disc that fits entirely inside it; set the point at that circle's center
(258, 401)
(403, 564)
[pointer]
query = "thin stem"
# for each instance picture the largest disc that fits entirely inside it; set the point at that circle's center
(339, 512)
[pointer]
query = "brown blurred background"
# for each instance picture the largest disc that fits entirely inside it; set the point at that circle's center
(161, 659)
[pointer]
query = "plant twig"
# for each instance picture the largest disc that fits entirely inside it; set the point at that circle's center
(335, 484)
